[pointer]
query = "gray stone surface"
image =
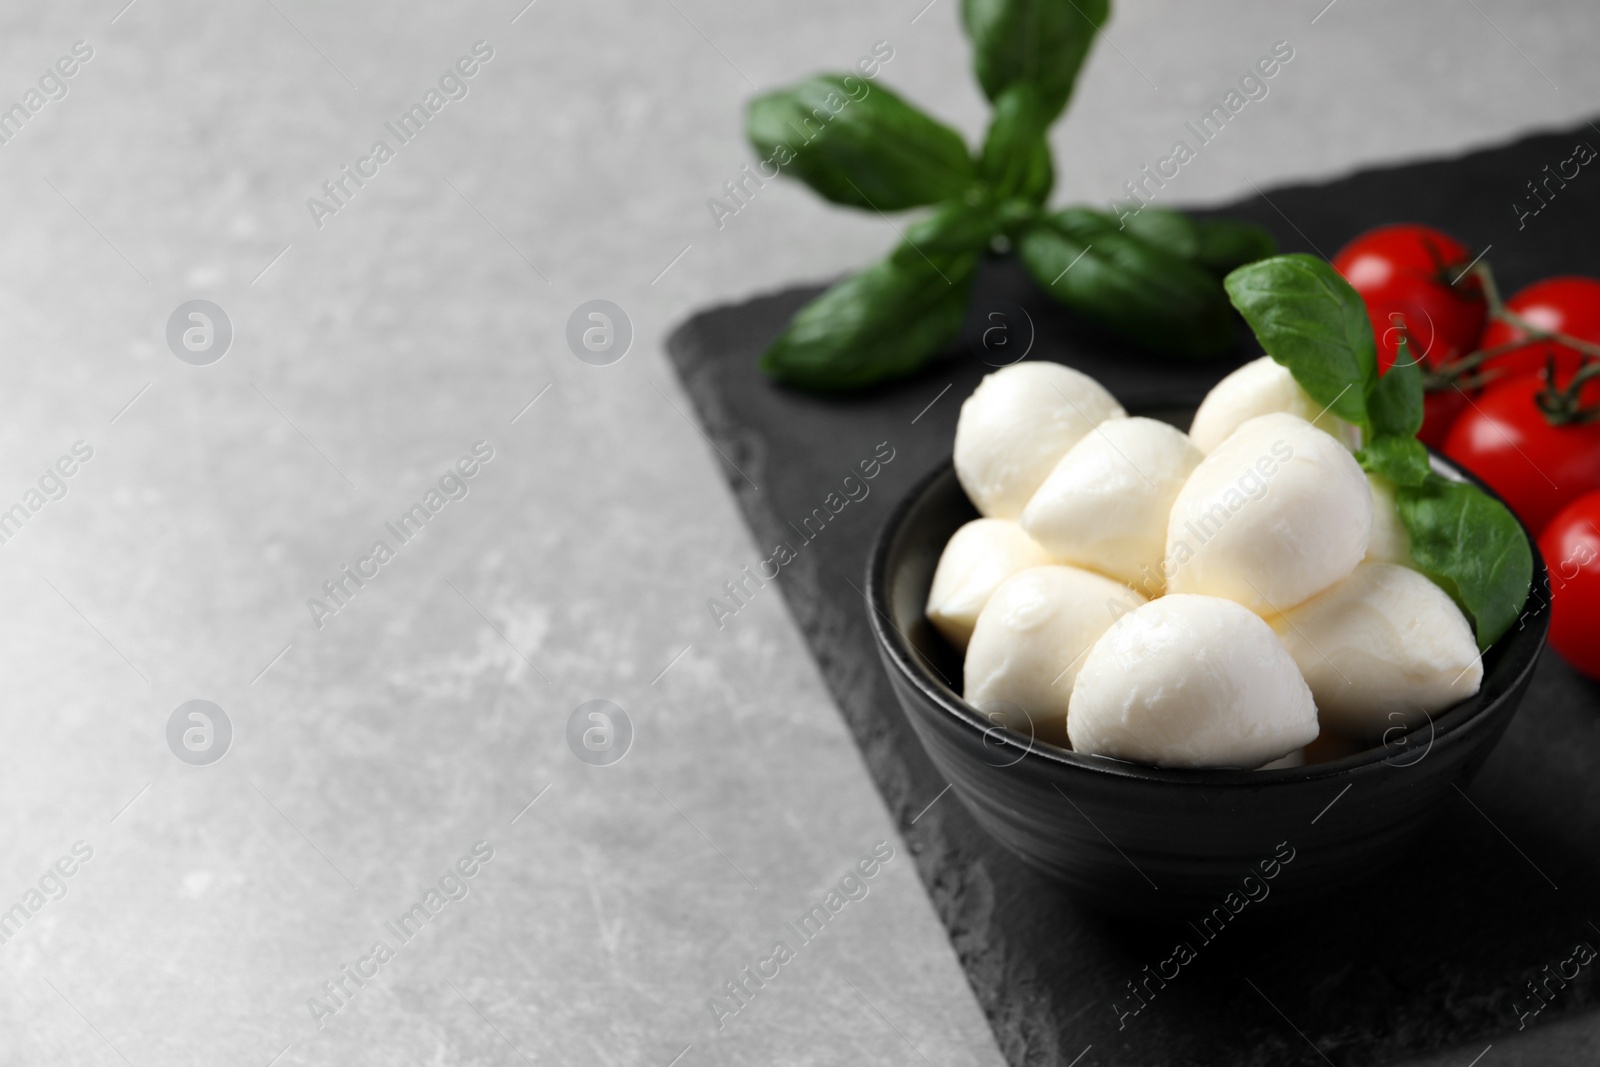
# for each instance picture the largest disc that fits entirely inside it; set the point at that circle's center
(369, 754)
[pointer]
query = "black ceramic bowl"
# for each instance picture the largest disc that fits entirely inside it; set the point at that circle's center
(1150, 842)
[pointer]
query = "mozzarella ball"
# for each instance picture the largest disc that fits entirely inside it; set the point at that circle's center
(1274, 515)
(1191, 681)
(1017, 424)
(1389, 543)
(1031, 640)
(976, 559)
(1105, 505)
(1261, 388)
(1383, 648)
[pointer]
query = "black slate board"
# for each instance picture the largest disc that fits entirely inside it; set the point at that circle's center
(1436, 951)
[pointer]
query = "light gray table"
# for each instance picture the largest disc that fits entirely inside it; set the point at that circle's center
(368, 354)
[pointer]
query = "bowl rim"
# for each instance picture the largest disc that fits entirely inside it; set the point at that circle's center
(1528, 640)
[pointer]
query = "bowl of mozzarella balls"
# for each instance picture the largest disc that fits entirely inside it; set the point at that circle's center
(1158, 662)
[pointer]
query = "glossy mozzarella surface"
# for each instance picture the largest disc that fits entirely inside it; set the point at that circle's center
(1031, 640)
(1106, 503)
(1382, 649)
(976, 559)
(1261, 387)
(1017, 425)
(1274, 515)
(1389, 543)
(1191, 681)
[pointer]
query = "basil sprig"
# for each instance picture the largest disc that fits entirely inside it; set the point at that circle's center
(1153, 276)
(876, 324)
(1016, 157)
(1037, 43)
(1469, 544)
(1216, 244)
(1309, 319)
(1116, 280)
(868, 148)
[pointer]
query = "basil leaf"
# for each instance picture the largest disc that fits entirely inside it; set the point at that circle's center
(956, 226)
(1395, 403)
(1228, 243)
(1041, 43)
(1016, 215)
(1309, 319)
(882, 323)
(859, 144)
(1472, 547)
(1218, 245)
(1170, 231)
(1016, 156)
(1401, 459)
(1119, 282)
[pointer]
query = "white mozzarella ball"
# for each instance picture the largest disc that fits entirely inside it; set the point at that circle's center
(1032, 638)
(1274, 515)
(1389, 543)
(1261, 387)
(976, 559)
(1105, 506)
(1384, 648)
(1017, 424)
(1191, 681)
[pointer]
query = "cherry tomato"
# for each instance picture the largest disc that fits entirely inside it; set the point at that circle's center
(1440, 409)
(1536, 467)
(1411, 271)
(1569, 305)
(1571, 549)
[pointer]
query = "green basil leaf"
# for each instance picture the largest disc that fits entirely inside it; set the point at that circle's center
(1309, 319)
(1119, 282)
(1170, 231)
(882, 323)
(1016, 215)
(859, 144)
(1016, 156)
(956, 226)
(1395, 403)
(1469, 544)
(1041, 43)
(1401, 459)
(1226, 244)
(1218, 245)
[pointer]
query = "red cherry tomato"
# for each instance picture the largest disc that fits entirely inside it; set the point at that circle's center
(1569, 305)
(1440, 409)
(1536, 467)
(1408, 271)
(1571, 549)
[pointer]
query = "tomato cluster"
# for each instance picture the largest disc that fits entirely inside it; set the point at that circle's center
(1513, 395)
